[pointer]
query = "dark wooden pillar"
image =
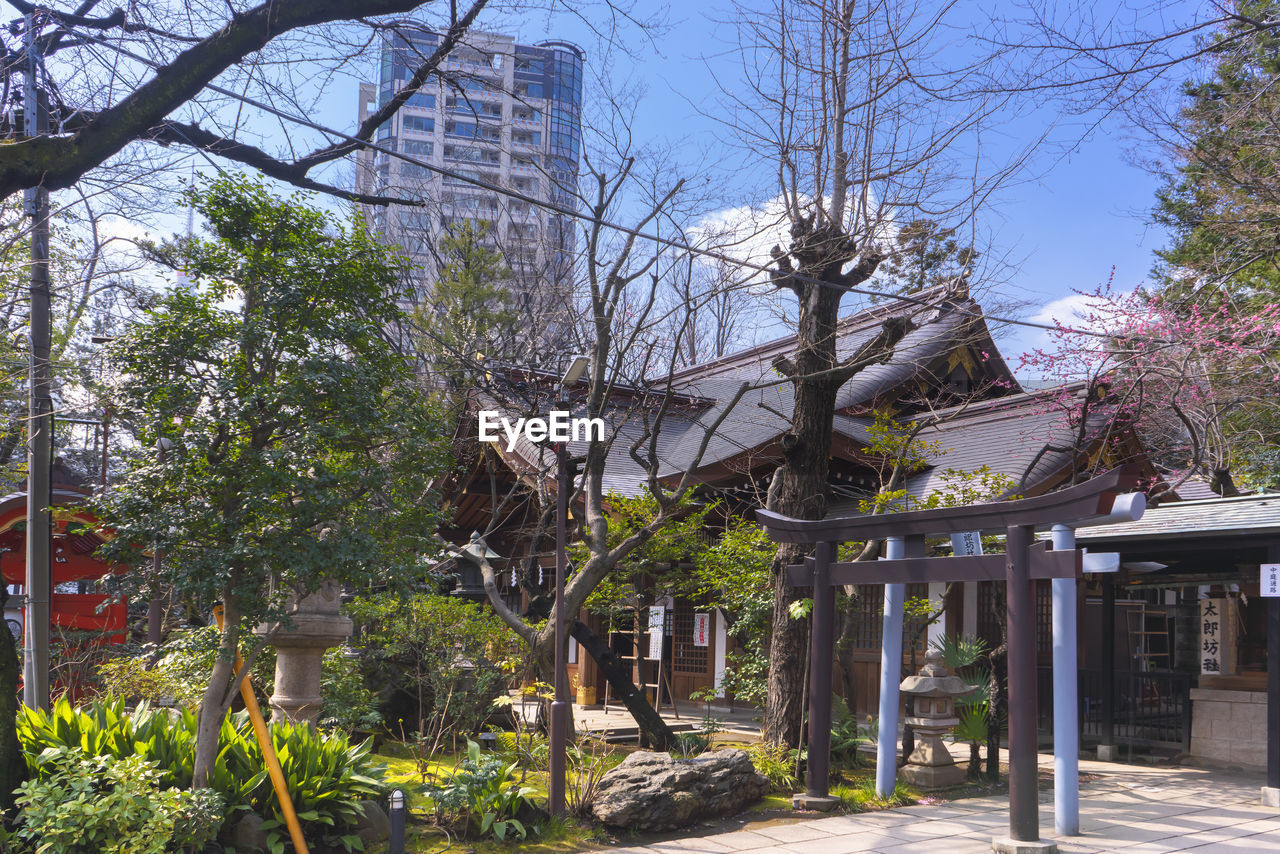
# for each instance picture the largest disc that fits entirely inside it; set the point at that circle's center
(821, 650)
(1108, 662)
(1024, 802)
(1273, 682)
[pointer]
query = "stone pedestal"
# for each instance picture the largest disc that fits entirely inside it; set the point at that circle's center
(1005, 845)
(820, 803)
(1229, 727)
(1270, 797)
(930, 765)
(317, 625)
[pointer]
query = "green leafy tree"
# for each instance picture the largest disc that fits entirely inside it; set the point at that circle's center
(733, 575)
(656, 563)
(301, 452)
(450, 658)
(924, 255)
(1221, 204)
(1221, 201)
(470, 309)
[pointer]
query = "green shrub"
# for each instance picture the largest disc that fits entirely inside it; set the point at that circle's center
(776, 763)
(346, 703)
(107, 728)
(482, 797)
(847, 734)
(180, 670)
(82, 804)
(447, 660)
(326, 774)
(588, 760)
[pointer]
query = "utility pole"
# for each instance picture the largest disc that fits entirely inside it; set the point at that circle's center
(35, 674)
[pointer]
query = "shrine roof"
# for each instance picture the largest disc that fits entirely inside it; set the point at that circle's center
(1257, 515)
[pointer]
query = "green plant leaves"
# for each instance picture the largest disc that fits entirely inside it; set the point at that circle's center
(326, 775)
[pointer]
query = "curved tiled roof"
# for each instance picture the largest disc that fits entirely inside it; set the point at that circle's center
(1004, 434)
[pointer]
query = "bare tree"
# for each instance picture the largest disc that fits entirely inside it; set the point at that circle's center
(130, 76)
(871, 118)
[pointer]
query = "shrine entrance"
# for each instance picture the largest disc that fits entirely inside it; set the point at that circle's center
(1023, 562)
(81, 620)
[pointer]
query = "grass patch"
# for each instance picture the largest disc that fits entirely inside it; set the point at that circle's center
(857, 793)
(553, 836)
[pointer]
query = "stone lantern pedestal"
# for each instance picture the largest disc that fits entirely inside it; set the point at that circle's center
(300, 647)
(930, 765)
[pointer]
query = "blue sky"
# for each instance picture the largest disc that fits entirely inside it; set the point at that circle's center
(1083, 214)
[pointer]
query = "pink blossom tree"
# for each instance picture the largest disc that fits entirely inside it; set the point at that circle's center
(1198, 384)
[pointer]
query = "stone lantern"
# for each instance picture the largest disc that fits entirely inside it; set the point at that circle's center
(316, 626)
(470, 577)
(930, 765)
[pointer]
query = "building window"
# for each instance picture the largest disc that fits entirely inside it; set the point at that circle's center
(417, 149)
(472, 154)
(530, 65)
(526, 137)
(422, 99)
(529, 90)
(468, 130)
(475, 108)
(464, 202)
(419, 124)
(414, 170)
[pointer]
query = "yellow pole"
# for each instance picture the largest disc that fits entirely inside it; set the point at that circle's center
(268, 751)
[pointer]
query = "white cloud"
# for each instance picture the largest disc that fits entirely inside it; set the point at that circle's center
(1088, 312)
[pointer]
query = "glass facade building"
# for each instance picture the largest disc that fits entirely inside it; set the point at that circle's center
(501, 114)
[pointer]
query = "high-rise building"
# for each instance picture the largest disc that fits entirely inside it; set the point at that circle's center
(505, 114)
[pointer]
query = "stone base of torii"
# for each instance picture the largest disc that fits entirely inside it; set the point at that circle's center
(1023, 563)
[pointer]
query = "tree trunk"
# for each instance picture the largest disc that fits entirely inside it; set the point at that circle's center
(799, 490)
(993, 721)
(13, 766)
(215, 702)
(651, 724)
(1222, 483)
(844, 656)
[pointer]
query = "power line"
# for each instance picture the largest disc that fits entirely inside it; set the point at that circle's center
(574, 214)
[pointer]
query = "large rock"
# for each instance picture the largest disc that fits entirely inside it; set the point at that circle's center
(652, 791)
(247, 834)
(374, 825)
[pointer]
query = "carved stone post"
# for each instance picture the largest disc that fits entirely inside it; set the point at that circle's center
(317, 625)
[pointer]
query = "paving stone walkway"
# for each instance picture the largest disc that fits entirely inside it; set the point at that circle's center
(1129, 809)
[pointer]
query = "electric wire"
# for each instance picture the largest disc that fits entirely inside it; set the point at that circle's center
(562, 210)
(568, 212)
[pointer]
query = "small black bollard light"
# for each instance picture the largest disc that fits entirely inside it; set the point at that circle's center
(397, 814)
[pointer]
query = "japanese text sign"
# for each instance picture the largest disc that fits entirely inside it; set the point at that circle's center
(1212, 635)
(1271, 579)
(701, 629)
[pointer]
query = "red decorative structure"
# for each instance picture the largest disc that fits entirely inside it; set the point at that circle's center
(73, 543)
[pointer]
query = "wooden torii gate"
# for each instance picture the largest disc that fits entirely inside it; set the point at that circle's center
(1022, 564)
